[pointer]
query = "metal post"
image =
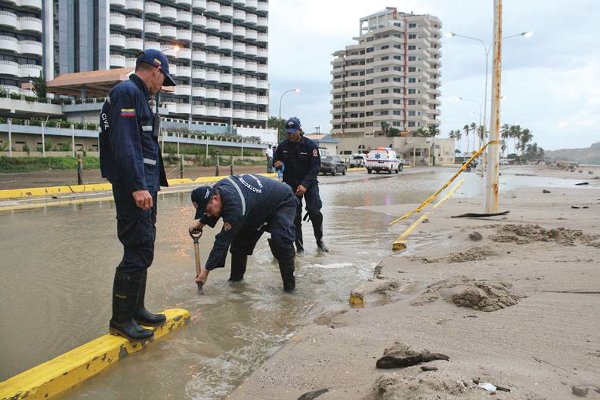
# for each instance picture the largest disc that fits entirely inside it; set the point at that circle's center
(73, 139)
(10, 137)
(242, 149)
(217, 165)
(493, 150)
(181, 166)
(206, 146)
(79, 170)
(43, 141)
(178, 136)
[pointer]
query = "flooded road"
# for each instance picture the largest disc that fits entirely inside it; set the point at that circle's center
(58, 265)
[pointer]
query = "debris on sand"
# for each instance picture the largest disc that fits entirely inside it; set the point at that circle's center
(313, 394)
(401, 355)
(528, 233)
(545, 191)
(472, 254)
(475, 236)
(466, 292)
(423, 387)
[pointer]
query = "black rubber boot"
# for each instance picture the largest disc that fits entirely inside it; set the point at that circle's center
(298, 224)
(126, 289)
(317, 222)
(287, 274)
(238, 267)
(142, 315)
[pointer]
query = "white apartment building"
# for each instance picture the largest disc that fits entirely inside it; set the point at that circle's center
(391, 75)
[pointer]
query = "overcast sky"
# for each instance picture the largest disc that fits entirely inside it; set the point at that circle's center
(551, 80)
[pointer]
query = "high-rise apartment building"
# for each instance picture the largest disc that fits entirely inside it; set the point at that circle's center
(217, 49)
(390, 76)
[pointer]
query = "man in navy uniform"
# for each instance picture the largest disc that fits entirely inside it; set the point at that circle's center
(249, 206)
(301, 160)
(130, 158)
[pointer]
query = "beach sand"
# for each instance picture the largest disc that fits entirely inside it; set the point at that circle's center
(513, 301)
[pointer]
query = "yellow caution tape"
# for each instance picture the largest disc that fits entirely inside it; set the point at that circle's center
(449, 194)
(400, 243)
(76, 366)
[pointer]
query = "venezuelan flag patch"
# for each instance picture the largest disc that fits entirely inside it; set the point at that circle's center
(127, 112)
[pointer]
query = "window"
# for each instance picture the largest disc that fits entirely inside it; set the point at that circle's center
(383, 91)
(397, 46)
(397, 57)
(412, 58)
(385, 58)
(384, 113)
(412, 80)
(397, 90)
(385, 47)
(412, 47)
(411, 124)
(370, 50)
(384, 69)
(412, 25)
(412, 36)
(412, 69)
(383, 80)
(412, 102)
(384, 102)
(397, 101)
(412, 91)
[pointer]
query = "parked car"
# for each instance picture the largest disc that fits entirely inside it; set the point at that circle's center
(333, 165)
(358, 160)
(383, 159)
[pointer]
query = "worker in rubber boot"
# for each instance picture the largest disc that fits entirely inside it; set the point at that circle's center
(302, 161)
(130, 158)
(249, 205)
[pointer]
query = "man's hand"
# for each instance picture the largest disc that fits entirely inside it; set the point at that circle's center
(143, 199)
(196, 227)
(278, 164)
(300, 190)
(203, 277)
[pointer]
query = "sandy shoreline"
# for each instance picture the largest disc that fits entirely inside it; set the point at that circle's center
(518, 308)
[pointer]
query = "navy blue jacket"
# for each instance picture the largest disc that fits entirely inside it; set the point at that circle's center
(130, 155)
(248, 201)
(302, 162)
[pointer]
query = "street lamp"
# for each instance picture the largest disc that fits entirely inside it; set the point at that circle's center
(295, 90)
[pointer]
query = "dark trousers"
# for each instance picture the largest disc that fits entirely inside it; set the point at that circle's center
(136, 230)
(313, 202)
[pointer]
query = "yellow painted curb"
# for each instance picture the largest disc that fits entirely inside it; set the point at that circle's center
(400, 243)
(78, 365)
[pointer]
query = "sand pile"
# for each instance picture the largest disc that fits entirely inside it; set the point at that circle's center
(463, 291)
(523, 234)
(424, 387)
(472, 254)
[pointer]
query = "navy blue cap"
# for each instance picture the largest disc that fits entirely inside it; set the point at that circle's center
(157, 59)
(292, 125)
(201, 196)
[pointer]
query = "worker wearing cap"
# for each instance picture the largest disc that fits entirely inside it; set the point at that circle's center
(249, 206)
(302, 161)
(130, 158)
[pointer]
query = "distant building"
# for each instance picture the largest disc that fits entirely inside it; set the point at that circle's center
(325, 142)
(391, 75)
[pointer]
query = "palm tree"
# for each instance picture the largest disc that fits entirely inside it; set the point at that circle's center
(474, 132)
(505, 134)
(466, 129)
(458, 135)
(524, 140)
(421, 132)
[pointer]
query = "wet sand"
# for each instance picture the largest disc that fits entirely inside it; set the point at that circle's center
(517, 308)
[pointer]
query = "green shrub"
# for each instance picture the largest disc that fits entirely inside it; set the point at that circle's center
(30, 164)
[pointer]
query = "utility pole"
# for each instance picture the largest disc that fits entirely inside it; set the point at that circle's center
(493, 150)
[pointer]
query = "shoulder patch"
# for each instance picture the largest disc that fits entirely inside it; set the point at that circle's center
(226, 226)
(315, 153)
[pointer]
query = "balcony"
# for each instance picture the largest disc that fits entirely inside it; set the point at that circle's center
(213, 7)
(119, 3)
(213, 76)
(251, 18)
(263, 6)
(172, 68)
(262, 38)
(251, 82)
(226, 61)
(10, 68)
(184, 54)
(213, 111)
(168, 31)
(239, 114)
(239, 31)
(184, 16)
(213, 24)
(30, 71)
(184, 2)
(200, 4)
(30, 24)
(226, 78)
(252, 4)
(239, 63)
(251, 114)
(226, 11)
(184, 72)
(118, 20)
(199, 20)
(153, 45)
(168, 12)
(117, 61)
(134, 44)
(251, 98)
(199, 55)
(262, 84)
(262, 69)
(226, 95)
(199, 38)
(30, 47)
(263, 22)
(212, 58)
(9, 19)
(198, 73)
(239, 2)
(226, 27)
(184, 108)
(263, 100)
(183, 90)
(239, 47)
(198, 91)
(239, 15)
(135, 5)
(134, 24)
(262, 116)
(226, 44)
(9, 43)
(153, 27)
(251, 66)
(226, 112)
(251, 34)
(37, 4)
(239, 80)
(213, 41)
(199, 109)
(184, 34)
(171, 107)
(152, 8)
(251, 50)
(239, 97)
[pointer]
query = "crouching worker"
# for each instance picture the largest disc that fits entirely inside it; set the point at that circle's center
(249, 206)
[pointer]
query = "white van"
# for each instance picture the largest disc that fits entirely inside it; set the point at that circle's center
(383, 159)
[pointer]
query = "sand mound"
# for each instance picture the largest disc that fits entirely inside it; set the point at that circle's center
(472, 254)
(523, 234)
(421, 388)
(463, 291)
